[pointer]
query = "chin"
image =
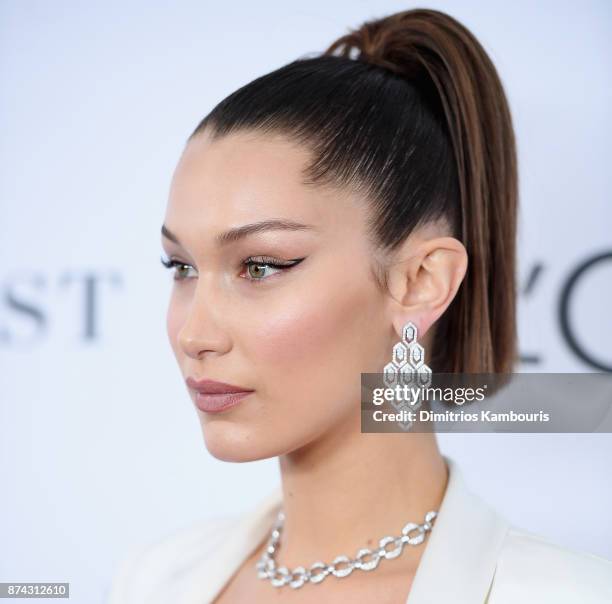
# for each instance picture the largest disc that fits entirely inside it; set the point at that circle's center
(230, 442)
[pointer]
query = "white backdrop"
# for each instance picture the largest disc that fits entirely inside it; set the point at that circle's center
(100, 444)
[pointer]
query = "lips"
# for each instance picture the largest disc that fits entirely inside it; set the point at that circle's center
(212, 396)
(214, 387)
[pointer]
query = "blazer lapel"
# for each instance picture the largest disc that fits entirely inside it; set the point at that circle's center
(460, 556)
(248, 532)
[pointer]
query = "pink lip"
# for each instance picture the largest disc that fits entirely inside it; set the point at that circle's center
(214, 387)
(213, 403)
(212, 396)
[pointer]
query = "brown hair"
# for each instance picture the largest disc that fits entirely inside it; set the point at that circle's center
(410, 109)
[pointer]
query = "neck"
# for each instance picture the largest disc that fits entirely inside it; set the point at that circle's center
(349, 489)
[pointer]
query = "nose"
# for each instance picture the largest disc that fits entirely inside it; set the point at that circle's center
(202, 331)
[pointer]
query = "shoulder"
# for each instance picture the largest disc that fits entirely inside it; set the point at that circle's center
(160, 571)
(530, 568)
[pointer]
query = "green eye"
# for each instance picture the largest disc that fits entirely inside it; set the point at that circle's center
(257, 270)
(257, 266)
(179, 266)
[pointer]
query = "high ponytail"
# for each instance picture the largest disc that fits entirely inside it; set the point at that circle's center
(410, 110)
(479, 331)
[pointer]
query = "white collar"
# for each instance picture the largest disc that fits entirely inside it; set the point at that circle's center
(458, 563)
(461, 552)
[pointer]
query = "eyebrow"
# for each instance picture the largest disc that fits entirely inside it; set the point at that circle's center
(237, 233)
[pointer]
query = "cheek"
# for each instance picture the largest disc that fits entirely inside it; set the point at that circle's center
(295, 336)
(308, 355)
(314, 332)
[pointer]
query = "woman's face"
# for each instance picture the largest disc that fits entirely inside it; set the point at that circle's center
(299, 336)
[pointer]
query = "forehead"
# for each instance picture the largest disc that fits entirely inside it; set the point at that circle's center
(244, 177)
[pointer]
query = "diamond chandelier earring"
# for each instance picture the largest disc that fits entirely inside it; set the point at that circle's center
(408, 368)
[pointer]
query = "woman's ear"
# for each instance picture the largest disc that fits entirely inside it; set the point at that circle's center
(425, 277)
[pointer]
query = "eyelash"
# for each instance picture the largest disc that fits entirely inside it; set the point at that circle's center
(251, 260)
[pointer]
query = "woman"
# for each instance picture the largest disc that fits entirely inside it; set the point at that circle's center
(314, 214)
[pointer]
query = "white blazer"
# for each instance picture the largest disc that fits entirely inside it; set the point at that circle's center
(472, 555)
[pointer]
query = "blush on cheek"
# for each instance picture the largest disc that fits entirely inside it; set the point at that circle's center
(290, 339)
(305, 332)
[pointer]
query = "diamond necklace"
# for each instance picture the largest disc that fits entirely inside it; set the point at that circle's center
(342, 566)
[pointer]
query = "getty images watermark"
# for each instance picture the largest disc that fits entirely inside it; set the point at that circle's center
(519, 402)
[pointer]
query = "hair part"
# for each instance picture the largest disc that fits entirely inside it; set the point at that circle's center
(409, 111)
